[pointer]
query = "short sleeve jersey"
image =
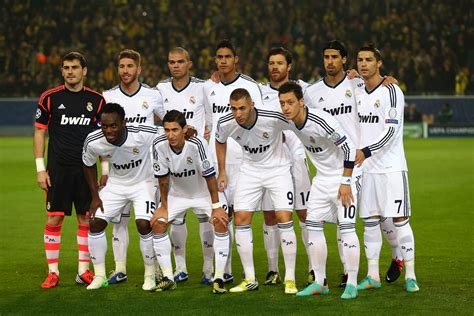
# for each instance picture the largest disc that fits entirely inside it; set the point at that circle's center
(189, 100)
(130, 161)
(261, 143)
(381, 124)
(187, 169)
(139, 107)
(69, 117)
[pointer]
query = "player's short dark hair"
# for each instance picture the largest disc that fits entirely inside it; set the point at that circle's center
(371, 48)
(175, 116)
(132, 54)
(75, 56)
(337, 45)
(225, 43)
(113, 108)
(280, 51)
(240, 93)
(291, 86)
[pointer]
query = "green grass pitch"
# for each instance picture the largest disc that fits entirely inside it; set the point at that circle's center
(441, 175)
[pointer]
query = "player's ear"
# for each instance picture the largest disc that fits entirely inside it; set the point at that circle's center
(344, 60)
(190, 63)
(379, 64)
(236, 59)
(185, 129)
(289, 67)
(84, 71)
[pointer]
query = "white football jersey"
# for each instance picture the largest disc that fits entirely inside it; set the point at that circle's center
(218, 102)
(139, 107)
(130, 162)
(381, 128)
(187, 169)
(262, 143)
(189, 100)
(339, 101)
(271, 102)
(329, 147)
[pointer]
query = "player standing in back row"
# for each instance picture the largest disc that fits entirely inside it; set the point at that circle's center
(69, 113)
(385, 185)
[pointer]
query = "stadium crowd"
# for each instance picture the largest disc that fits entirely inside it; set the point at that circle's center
(426, 44)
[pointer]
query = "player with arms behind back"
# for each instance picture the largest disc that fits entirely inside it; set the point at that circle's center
(69, 113)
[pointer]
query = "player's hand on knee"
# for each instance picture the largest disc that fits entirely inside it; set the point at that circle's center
(345, 195)
(222, 182)
(96, 204)
(44, 182)
(160, 216)
(219, 216)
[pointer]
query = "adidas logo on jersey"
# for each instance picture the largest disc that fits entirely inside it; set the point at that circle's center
(220, 108)
(321, 99)
(126, 166)
(256, 150)
(166, 100)
(61, 107)
(184, 173)
(368, 118)
(74, 120)
(342, 109)
(313, 150)
(213, 93)
(267, 98)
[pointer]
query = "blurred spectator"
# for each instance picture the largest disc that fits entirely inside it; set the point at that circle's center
(445, 115)
(426, 42)
(412, 114)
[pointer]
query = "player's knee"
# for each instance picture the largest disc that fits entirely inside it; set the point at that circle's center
(243, 218)
(270, 218)
(220, 228)
(400, 219)
(96, 225)
(143, 226)
(301, 215)
(82, 219)
(284, 216)
(55, 220)
(159, 227)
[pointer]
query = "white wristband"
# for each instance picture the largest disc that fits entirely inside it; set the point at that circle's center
(104, 167)
(40, 164)
(346, 180)
(216, 205)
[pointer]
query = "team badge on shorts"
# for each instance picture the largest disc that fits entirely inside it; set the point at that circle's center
(312, 140)
(192, 100)
(377, 104)
(156, 167)
(206, 164)
(189, 160)
(136, 151)
(38, 113)
(348, 93)
(145, 105)
(265, 135)
(89, 106)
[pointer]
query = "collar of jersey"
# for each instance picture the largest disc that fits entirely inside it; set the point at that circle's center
(130, 95)
(305, 119)
(176, 152)
(232, 81)
(334, 87)
(251, 126)
(375, 88)
(183, 88)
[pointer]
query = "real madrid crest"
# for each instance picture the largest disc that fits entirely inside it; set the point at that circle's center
(312, 140)
(377, 104)
(145, 105)
(348, 93)
(136, 150)
(89, 106)
(189, 160)
(265, 135)
(192, 100)
(38, 113)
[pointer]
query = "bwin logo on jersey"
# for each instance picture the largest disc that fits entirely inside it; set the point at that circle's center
(220, 108)
(342, 109)
(368, 118)
(256, 150)
(132, 164)
(183, 174)
(188, 114)
(136, 119)
(74, 120)
(313, 150)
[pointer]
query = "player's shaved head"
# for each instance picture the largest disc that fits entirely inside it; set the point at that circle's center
(175, 116)
(75, 56)
(113, 108)
(132, 54)
(337, 45)
(291, 86)
(180, 50)
(239, 94)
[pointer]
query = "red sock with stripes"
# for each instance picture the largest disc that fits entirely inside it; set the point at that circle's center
(52, 243)
(83, 247)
